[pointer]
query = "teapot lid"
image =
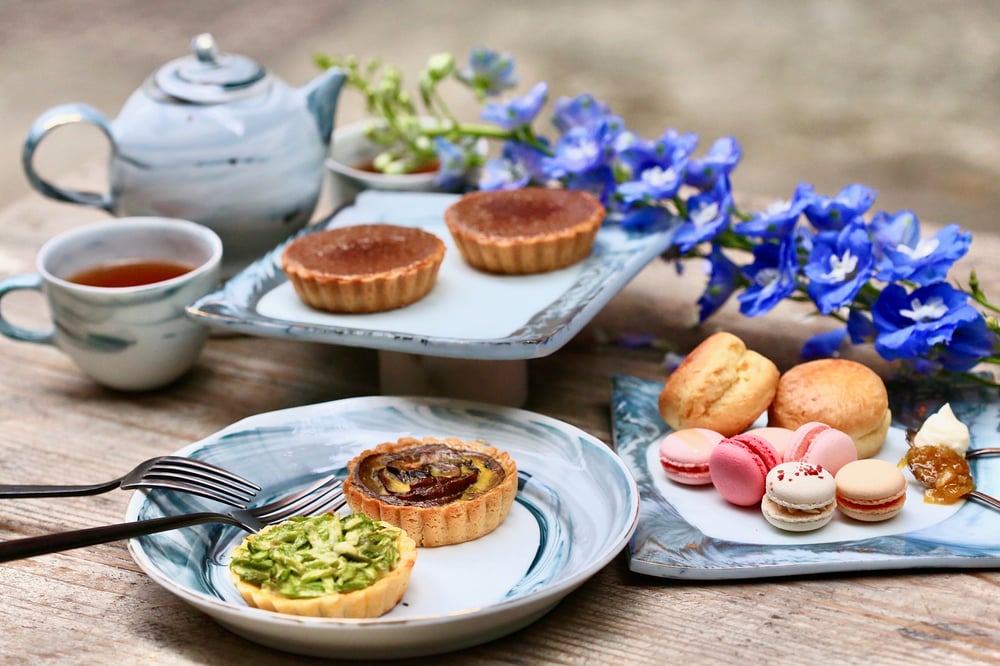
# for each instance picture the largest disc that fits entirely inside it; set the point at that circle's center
(210, 76)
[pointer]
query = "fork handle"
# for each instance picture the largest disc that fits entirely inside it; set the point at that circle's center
(16, 549)
(26, 490)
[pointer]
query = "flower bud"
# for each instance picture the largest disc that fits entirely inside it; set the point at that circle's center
(440, 65)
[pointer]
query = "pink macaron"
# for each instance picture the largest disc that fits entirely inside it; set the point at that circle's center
(684, 455)
(779, 438)
(739, 467)
(819, 444)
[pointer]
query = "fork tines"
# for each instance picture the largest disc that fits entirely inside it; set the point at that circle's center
(324, 495)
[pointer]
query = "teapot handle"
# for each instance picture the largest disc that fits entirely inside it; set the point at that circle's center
(58, 116)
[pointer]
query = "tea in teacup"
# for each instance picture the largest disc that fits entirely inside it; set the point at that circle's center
(130, 273)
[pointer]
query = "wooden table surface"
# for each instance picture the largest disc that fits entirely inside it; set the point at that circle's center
(94, 605)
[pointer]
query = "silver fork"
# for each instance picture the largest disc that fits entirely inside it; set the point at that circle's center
(172, 472)
(324, 495)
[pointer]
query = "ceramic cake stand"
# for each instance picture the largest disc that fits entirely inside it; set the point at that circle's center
(471, 336)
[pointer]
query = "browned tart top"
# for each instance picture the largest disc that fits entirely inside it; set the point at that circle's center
(523, 213)
(363, 249)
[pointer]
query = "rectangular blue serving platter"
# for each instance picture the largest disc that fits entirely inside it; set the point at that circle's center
(690, 532)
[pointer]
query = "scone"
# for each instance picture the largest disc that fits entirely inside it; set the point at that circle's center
(721, 385)
(843, 394)
(363, 268)
(441, 491)
(530, 230)
(325, 566)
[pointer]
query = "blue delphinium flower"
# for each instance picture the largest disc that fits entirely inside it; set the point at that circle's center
(501, 174)
(653, 184)
(708, 213)
(519, 111)
(778, 220)
(833, 213)
(824, 345)
(647, 218)
(453, 161)
(580, 111)
(724, 277)
(672, 149)
(585, 156)
(720, 160)
(773, 276)
(488, 72)
(839, 265)
(904, 255)
(970, 344)
(911, 324)
(860, 326)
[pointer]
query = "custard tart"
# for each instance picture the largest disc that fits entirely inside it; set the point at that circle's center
(440, 491)
(325, 566)
(530, 230)
(364, 267)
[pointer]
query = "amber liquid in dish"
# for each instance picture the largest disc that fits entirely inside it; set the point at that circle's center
(130, 273)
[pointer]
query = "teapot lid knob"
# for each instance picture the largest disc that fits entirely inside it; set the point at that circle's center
(210, 76)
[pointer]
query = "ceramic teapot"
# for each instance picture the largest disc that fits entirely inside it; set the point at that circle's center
(214, 138)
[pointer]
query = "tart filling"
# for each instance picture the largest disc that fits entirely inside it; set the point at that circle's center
(325, 566)
(441, 491)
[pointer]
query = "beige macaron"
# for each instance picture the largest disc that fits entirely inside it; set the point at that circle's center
(870, 490)
(843, 394)
(721, 385)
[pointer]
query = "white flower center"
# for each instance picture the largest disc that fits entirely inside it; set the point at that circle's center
(924, 248)
(779, 207)
(583, 152)
(841, 267)
(658, 176)
(767, 277)
(930, 311)
(705, 214)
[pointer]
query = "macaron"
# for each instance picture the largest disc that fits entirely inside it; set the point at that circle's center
(870, 490)
(779, 438)
(820, 444)
(684, 455)
(739, 465)
(799, 497)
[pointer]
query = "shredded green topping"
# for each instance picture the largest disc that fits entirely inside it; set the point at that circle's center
(311, 556)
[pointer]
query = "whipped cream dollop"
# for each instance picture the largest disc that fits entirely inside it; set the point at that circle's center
(943, 429)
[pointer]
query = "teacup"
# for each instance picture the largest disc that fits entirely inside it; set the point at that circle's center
(117, 293)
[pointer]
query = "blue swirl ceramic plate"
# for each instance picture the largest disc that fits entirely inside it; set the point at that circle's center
(576, 508)
(691, 532)
(540, 312)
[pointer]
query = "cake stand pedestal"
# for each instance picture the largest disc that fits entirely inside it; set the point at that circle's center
(495, 382)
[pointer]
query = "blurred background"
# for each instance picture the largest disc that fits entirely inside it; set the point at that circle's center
(901, 95)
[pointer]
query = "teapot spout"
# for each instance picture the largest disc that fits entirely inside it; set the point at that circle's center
(321, 98)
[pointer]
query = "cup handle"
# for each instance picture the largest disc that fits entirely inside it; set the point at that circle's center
(58, 116)
(16, 283)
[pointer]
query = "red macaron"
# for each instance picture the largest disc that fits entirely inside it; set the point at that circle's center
(739, 467)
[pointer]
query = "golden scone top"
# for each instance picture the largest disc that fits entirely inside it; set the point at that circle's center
(721, 385)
